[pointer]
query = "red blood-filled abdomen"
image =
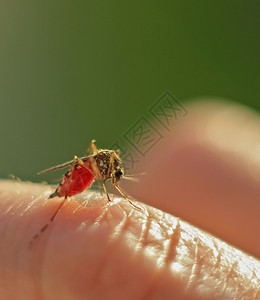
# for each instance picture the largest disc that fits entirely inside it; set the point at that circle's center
(75, 183)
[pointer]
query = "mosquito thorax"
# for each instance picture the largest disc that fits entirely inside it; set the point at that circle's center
(105, 168)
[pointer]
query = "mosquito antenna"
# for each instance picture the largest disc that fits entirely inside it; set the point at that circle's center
(135, 175)
(132, 177)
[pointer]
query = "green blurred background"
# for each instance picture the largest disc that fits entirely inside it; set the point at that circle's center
(71, 71)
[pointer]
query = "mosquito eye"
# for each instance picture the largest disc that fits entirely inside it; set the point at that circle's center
(118, 174)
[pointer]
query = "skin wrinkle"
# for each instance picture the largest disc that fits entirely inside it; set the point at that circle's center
(224, 264)
(97, 274)
(102, 216)
(142, 242)
(30, 205)
(174, 241)
(167, 257)
(170, 246)
(232, 260)
(256, 294)
(171, 235)
(90, 199)
(228, 259)
(219, 253)
(220, 264)
(252, 278)
(217, 266)
(9, 208)
(144, 233)
(76, 209)
(119, 229)
(231, 276)
(195, 270)
(203, 252)
(123, 224)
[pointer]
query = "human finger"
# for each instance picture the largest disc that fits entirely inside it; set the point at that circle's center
(95, 250)
(207, 171)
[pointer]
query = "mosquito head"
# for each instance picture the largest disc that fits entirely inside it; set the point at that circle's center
(118, 174)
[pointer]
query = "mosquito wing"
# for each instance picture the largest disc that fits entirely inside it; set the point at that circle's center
(62, 166)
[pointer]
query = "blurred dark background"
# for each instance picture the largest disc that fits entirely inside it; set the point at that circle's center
(71, 71)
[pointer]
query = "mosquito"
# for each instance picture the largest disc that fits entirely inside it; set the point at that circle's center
(101, 165)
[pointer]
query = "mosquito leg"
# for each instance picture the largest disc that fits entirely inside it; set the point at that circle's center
(47, 224)
(105, 189)
(54, 215)
(125, 196)
(111, 162)
(94, 147)
(100, 187)
(66, 164)
(113, 193)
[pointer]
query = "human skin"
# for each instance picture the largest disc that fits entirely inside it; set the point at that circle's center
(96, 250)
